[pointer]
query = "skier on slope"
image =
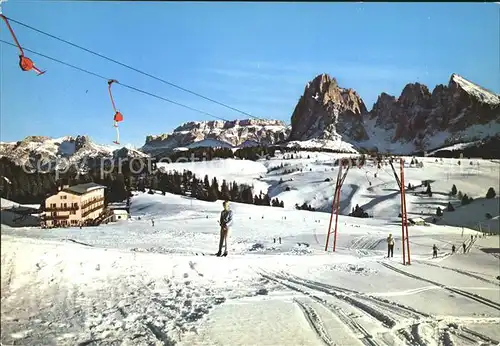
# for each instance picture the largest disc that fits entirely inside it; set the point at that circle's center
(434, 251)
(453, 249)
(226, 220)
(464, 246)
(390, 246)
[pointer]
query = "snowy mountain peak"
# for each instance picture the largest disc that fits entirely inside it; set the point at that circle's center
(473, 89)
(416, 120)
(327, 111)
(41, 149)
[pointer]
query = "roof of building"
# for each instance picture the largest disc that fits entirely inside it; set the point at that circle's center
(117, 205)
(119, 211)
(83, 188)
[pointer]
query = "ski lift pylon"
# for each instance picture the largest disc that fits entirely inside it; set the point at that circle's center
(25, 63)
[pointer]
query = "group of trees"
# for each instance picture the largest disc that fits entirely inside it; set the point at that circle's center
(357, 211)
(304, 206)
(463, 198)
(188, 184)
(427, 185)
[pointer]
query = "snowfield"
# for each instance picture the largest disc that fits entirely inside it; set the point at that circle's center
(132, 283)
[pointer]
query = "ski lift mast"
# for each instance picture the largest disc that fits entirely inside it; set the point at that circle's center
(343, 162)
(404, 216)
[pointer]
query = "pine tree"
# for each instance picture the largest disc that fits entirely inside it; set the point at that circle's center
(429, 191)
(460, 195)
(249, 196)
(235, 192)
(282, 205)
(195, 190)
(185, 181)
(215, 186)
(439, 212)
(453, 190)
(212, 194)
(491, 193)
(449, 207)
(465, 199)
(224, 191)
(206, 182)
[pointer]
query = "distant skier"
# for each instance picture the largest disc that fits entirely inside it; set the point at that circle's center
(226, 220)
(152, 222)
(434, 251)
(453, 249)
(463, 245)
(390, 246)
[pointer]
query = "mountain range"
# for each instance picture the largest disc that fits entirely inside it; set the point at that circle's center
(326, 116)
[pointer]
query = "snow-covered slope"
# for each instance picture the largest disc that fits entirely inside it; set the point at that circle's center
(140, 284)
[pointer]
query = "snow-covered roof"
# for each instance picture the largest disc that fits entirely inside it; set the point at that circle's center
(83, 188)
(120, 212)
(117, 205)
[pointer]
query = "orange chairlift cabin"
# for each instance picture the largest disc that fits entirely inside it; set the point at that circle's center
(118, 117)
(26, 64)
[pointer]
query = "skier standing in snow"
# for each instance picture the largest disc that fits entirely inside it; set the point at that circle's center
(463, 245)
(434, 251)
(226, 220)
(390, 246)
(453, 249)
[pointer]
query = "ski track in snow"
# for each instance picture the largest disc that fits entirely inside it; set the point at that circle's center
(315, 322)
(463, 272)
(466, 294)
(381, 310)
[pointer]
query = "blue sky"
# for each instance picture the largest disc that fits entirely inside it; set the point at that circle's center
(257, 57)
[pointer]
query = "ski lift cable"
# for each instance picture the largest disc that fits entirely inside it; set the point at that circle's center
(122, 84)
(132, 68)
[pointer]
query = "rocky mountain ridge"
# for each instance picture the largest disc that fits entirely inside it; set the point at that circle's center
(45, 153)
(416, 120)
(247, 132)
